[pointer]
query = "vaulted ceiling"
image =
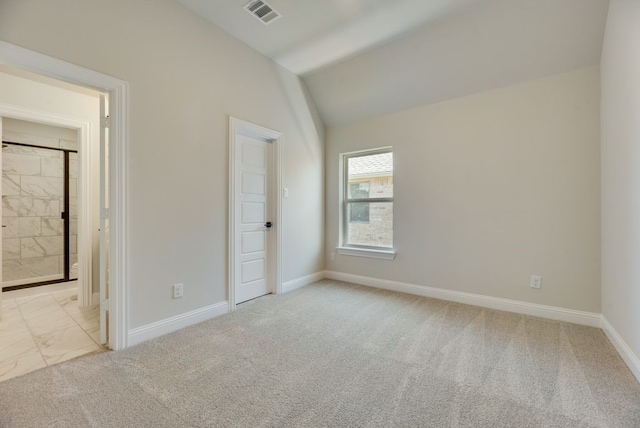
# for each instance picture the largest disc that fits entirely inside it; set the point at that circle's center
(361, 58)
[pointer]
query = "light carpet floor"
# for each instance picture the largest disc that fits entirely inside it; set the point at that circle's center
(339, 355)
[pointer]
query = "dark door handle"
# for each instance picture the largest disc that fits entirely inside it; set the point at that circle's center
(268, 224)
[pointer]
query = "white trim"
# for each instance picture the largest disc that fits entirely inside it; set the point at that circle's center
(95, 298)
(302, 281)
(118, 221)
(628, 356)
(279, 216)
(85, 217)
(25, 59)
(367, 252)
(550, 312)
(377, 253)
(169, 325)
(16, 56)
(239, 126)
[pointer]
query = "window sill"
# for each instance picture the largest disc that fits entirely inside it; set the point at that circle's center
(367, 252)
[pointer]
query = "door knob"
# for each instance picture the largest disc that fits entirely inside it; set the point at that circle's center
(268, 224)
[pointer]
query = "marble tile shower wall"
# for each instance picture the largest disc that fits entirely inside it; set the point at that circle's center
(32, 200)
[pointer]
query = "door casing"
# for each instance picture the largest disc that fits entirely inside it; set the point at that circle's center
(242, 127)
(118, 90)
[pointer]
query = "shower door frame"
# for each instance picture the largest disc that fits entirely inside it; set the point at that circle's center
(66, 217)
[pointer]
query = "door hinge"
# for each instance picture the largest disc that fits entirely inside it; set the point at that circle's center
(104, 305)
(106, 122)
(105, 213)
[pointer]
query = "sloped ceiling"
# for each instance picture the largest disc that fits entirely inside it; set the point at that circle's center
(361, 58)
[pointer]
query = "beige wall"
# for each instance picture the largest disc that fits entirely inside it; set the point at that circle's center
(186, 77)
(39, 129)
(621, 172)
(490, 189)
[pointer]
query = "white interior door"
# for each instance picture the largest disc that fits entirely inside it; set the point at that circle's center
(254, 270)
(104, 219)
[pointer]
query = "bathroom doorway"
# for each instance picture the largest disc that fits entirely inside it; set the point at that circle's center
(39, 205)
(51, 163)
(52, 155)
(112, 196)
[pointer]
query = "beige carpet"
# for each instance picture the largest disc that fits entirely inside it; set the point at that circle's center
(336, 354)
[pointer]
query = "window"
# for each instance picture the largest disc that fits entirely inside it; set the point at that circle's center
(367, 216)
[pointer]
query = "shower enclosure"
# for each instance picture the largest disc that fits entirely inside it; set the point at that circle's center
(39, 215)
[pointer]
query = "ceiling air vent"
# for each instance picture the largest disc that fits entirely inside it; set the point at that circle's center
(262, 11)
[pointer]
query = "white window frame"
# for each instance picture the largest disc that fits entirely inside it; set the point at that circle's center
(344, 248)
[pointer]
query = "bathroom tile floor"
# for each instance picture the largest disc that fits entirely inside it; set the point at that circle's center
(45, 329)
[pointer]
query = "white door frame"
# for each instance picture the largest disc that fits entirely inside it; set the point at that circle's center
(118, 90)
(239, 126)
(1, 231)
(84, 192)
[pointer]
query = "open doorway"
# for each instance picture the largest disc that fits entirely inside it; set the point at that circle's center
(51, 197)
(113, 300)
(54, 203)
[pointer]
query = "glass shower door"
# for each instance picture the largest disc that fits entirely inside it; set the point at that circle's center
(32, 205)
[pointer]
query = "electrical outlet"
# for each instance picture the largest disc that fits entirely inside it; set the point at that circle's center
(178, 291)
(535, 281)
(332, 257)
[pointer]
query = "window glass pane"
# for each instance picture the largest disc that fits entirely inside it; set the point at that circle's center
(359, 212)
(33, 200)
(370, 176)
(377, 231)
(359, 189)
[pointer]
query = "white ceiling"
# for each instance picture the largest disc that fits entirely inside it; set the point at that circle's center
(315, 33)
(361, 58)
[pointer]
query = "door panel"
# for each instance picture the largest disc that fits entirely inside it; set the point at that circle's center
(253, 190)
(252, 271)
(252, 241)
(253, 212)
(104, 223)
(253, 155)
(253, 183)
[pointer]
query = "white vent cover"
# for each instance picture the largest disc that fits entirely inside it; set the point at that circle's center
(262, 11)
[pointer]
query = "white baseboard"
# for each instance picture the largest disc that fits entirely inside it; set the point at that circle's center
(302, 281)
(169, 325)
(542, 311)
(629, 357)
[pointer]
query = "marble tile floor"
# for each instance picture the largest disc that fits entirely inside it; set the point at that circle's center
(45, 329)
